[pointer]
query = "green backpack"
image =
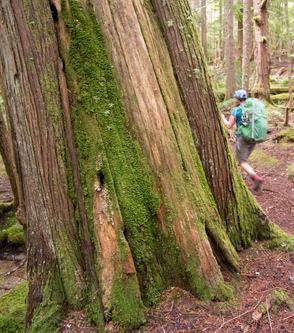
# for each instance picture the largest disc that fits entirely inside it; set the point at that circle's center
(254, 122)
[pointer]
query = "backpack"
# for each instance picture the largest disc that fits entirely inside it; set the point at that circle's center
(254, 122)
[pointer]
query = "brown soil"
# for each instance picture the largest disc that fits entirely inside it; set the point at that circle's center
(263, 270)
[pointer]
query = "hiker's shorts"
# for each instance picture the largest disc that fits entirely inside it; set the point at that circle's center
(243, 149)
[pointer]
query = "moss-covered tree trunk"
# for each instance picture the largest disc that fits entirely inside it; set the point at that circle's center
(261, 88)
(116, 204)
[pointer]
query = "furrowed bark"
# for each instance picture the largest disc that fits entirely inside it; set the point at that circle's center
(29, 59)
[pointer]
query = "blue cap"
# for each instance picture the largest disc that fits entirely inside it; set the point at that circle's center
(241, 93)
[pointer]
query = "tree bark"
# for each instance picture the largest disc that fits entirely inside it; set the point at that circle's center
(247, 43)
(57, 262)
(261, 87)
(230, 50)
(290, 64)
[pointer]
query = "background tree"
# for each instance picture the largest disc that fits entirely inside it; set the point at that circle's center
(221, 46)
(261, 88)
(247, 43)
(290, 64)
(240, 32)
(230, 49)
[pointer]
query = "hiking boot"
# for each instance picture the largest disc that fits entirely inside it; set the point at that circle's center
(257, 183)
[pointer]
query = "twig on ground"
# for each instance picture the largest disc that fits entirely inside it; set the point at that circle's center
(288, 317)
(269, 319)
(265, 189)
(243, 314)
(15, 269)
(170, 309)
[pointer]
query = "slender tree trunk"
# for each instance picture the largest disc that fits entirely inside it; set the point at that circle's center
(221, 29)
(240, 34)
(290, 65)
(247, 44)
(261, 87)
(204, 27)
(230, 50)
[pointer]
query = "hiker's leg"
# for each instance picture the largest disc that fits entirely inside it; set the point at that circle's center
(243, 151)
(246, 168)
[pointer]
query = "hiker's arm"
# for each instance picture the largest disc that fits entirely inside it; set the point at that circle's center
(229, 123)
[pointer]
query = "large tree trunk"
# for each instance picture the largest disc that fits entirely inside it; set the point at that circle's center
(247, 43)
(113, 187)
(229, 49)
(57, 266)
(261, 87)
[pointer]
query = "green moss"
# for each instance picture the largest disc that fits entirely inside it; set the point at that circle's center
(286, 135)
(127, 309)
(257, 20)
(13, 309)
(263, 39)
(280, 97)
(51, 310)
(11, 230)
(259, 158)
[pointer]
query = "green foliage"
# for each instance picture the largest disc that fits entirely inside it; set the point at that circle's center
(288, 245)
(274, 79)
(13, 309)
(227, 104)
(290, 171)
(285, 83)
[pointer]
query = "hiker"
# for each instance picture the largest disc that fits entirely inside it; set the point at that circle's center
(243, 148)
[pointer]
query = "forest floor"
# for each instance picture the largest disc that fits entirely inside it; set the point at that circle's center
(263, 270)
